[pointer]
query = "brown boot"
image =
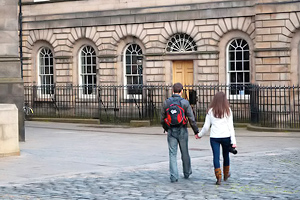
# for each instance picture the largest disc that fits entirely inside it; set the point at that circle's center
(218, 174)
(226, 172)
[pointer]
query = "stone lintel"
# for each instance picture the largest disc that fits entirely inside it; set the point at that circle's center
(107, 58)
(63, 57)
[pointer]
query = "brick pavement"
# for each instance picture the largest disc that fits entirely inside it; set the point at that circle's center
(263, 173)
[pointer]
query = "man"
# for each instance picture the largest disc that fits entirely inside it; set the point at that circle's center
(178, 133)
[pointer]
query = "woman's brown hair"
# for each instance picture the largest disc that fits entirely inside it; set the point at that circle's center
(220, 105)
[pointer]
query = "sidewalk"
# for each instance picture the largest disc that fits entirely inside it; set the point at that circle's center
(80, 161)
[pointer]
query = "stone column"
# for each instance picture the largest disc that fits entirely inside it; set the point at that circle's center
(11, 83)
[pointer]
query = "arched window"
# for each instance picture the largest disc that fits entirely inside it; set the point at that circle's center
(133, 69)
(45, 63)
(87, 70)
(238, 61)
(181, 42)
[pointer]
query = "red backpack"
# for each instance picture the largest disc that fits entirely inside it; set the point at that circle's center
(175, 114)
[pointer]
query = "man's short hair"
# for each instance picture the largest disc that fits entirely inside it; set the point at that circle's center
(177, 87)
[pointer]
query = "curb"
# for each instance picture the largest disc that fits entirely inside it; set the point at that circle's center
(270, 129)
(67, 120)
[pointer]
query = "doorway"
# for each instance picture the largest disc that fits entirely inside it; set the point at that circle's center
(183, 72)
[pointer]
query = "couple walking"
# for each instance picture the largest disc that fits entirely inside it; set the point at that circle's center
(219, 117)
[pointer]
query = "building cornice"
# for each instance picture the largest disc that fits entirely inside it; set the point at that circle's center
(141, 15)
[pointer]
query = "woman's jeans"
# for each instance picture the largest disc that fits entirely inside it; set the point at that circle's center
(215, 145)
(178, 136)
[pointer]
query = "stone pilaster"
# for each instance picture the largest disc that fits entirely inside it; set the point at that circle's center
(11, 84)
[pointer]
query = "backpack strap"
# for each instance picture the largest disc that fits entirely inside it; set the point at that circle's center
(172, 99)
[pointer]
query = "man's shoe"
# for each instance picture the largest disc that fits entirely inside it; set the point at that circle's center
(174, 181)
(186, 176)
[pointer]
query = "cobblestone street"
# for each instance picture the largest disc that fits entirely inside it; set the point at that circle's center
(268, 174)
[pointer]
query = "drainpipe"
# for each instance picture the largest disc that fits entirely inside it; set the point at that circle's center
(20, 36)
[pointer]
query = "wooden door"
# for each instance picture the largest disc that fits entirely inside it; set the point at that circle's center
(183, 72)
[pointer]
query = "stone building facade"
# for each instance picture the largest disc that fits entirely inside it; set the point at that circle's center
(123, 42)
(11, 84)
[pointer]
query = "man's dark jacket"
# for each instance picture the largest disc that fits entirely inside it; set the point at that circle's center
(187, 109)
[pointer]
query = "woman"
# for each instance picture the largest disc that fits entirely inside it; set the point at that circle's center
(219, 117)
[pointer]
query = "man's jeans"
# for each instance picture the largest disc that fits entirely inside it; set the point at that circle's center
(215, 145)
(179, 135)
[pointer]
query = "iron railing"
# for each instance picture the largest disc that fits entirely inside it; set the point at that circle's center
(264, 106)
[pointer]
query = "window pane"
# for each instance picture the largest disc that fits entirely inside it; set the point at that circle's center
(246, 65)
(134, 69)
(129, 80)
(247, 78)
(128, 59)
(83, 69)
(89, 69)
(42, 70)
(47, 60)
(231, 56)
(42, 62)
(232, 77)
(47, 79)
(89, 60)
(128, 69)
(47, 70)
(232, 66)
(90, 79)
(239, 55)
(134, 59)
(244, 43)
(83, 79)
(51, 80)
(239, 66)
(135, 80)
(43, 80)
(246, 55)
(240, 78)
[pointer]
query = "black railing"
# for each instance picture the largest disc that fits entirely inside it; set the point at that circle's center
(264, 106)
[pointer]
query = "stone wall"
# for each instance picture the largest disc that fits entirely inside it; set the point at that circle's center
(11, 84)
(269, 28)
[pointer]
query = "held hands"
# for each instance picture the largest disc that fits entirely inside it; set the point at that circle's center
(197, 137)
